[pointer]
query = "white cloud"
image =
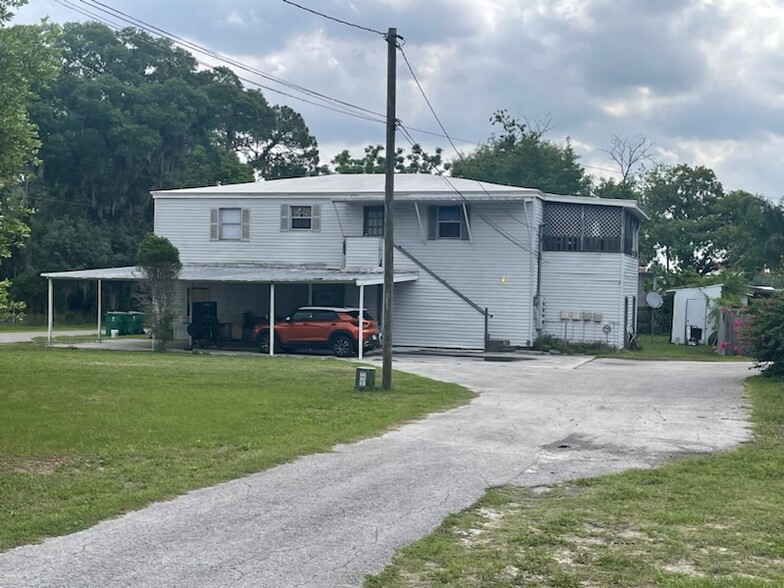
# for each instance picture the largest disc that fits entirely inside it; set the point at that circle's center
(702, 79)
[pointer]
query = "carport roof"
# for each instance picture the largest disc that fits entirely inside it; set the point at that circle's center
(240, 274)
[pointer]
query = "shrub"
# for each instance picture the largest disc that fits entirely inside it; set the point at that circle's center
(762, 334)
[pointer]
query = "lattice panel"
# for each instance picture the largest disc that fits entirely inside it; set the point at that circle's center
(602, 221)
(562, 219)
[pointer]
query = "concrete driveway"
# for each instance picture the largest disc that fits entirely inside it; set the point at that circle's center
(326, 520)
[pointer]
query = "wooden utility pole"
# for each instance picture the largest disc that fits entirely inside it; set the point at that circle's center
(389, 195)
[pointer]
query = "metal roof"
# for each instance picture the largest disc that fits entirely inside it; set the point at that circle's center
(370, 188)
(352, 185)
(241, 274)
(630, 205)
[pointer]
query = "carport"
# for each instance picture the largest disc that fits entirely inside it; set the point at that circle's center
(193, 274)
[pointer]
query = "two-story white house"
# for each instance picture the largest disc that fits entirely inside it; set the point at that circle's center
(473, 261)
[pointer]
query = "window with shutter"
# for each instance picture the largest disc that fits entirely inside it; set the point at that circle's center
(295, 217)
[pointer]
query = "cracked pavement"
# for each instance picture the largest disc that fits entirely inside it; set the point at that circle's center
(329, 519)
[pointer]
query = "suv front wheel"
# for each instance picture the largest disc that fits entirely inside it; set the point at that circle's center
(342, 346)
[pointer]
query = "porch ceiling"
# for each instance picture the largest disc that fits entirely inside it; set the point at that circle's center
(240, 274)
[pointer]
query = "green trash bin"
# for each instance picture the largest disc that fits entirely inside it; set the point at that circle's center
(115, 321)
(135, 323)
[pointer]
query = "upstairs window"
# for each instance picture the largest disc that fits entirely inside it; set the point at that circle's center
(447, 222)
(230, 224)
(373, 225)
(296, 217)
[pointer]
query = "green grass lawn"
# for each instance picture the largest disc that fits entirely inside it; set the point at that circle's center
(86, 435)
(661, 349)
(708, 522)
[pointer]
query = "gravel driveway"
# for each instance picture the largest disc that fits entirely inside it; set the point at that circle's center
(326, 520)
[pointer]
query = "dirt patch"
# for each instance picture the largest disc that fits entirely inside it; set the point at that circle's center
(41, 466)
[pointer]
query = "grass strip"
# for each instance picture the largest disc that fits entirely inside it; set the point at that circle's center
(715, 521)
(660, 349)
(87, 435)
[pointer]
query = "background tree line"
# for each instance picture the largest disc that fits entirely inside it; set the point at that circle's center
(120, 113)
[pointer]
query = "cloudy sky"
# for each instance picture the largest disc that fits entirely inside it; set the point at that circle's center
(702, 79)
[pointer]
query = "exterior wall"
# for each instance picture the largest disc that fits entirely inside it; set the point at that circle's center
(630, 292)
(691, 307)
(364, 252)
(489, 270)
(585, 282)
(186, 222)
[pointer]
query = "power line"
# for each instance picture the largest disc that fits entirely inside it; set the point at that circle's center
(332, 18)
(154, 30)
(427, 101)
(490, 222)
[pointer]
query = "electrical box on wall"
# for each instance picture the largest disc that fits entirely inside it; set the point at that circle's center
(577, 316)
(597, 317)
(564, 315)
(587, 315)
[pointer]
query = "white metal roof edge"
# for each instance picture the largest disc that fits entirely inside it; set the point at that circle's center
(616, 202)
(240, 274)
(343, 184)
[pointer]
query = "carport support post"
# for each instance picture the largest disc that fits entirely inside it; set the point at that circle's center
(99, 311)
(272, 319)
(361, 342)
(50, 311)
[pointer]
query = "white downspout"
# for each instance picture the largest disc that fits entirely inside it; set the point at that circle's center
(272, 320)
(361, 342)
(99, 311)
(50, 311)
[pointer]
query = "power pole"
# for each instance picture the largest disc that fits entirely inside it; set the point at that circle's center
(389, 225)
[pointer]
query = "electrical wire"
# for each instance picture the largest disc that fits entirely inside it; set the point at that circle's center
(154, 30)
(490, 222)
(332, 18)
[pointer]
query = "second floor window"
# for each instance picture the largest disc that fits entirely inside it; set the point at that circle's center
(297, 217)
(447, 222)
(230, 224)
(373, 225)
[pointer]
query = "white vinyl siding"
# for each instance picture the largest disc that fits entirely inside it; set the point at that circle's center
(184, 222)
(587, 282)
(489, 270)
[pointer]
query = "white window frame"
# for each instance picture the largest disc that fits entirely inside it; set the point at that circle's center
(219, 225)
(287, 218)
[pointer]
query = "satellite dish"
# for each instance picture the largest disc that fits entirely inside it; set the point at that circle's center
(654, 299)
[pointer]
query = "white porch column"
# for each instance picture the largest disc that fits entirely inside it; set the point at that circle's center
(361, 342)
(99, 311)
(272, 319)
(50, 311)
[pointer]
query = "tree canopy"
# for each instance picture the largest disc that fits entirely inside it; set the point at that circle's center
(129, 113)
(27, 62)
(520, 156)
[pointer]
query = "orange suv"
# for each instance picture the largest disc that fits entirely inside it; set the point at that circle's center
(324, 327)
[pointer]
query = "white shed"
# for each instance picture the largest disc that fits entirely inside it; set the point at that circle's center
(691, 314)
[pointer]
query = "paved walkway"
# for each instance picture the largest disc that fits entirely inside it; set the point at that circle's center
(25, 336)
(328, 519)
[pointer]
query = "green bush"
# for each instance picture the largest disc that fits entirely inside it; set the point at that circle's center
(549, 343)
(762, 334)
